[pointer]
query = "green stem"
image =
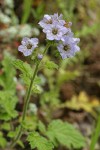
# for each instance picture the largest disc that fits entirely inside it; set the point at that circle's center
(95, 135)
(18, 136)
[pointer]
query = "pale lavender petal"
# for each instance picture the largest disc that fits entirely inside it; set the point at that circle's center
(21, 48)
(48, 17)
(27, 53)
(24, 40)
(76, 40)
(34, 41)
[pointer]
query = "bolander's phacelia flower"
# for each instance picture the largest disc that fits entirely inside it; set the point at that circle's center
(59, 30)
(55, 32)
(28, 45)
(68, 47)
(49, 20)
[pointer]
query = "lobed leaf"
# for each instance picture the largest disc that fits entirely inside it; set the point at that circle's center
(65, 134)
(39, 142)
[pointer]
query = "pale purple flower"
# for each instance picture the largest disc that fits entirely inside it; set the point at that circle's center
(49, 20)
(68, 47)
(68, 34)
(55, 32)
(40, 56)
(28, 45)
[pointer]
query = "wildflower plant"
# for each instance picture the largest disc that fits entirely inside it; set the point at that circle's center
(58, 33)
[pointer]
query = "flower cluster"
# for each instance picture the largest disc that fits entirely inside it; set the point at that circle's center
(56, 29)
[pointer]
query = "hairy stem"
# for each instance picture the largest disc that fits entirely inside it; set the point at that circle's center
(27, 99)
(95, 135)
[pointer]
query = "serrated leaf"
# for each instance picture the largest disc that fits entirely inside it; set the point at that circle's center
(23, 67)
(26, 75)
(51, 65)
(65, 134)
(39, 142)
(30, 123)
(7, 77)
(8, 102)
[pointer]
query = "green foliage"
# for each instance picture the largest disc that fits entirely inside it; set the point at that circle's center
(27, 5)
(7, 77)
(23, 67)
(67, 76)
(39, 11)
(6, 126)
(41, 127)
(12, 134)
(51, 65)
(8, 98)
(57, 132)
(67, 8)
(3, 141)
(50, 98)
(26, 75)
(30, 123)
(8, 102)
(65, 134)
(39, 142)
(86, 30)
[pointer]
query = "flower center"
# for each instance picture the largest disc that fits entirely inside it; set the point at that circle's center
(49, 21)
(66, 47)
(29, 46)
(55, 31)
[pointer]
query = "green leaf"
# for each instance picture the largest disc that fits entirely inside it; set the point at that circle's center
(51, 65)
(26, 10)
(65, 134)
(39, 142)
(47, 100)
(3, 141)
(26, 75)
(23, 67)
(8, 103)
(21, 144)
(41, 127)
(12, 134)
(30, 123)
(7, 78)
(6, 126)
(67, 76)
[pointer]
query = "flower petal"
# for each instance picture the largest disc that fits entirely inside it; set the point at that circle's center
(21, 48)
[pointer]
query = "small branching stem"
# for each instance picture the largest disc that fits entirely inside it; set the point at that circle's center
(27, 99)
(95, 135)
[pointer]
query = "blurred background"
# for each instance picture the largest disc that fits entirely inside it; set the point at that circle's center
(71, 93)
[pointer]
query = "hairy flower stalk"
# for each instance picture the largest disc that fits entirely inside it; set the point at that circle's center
(27, 99)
